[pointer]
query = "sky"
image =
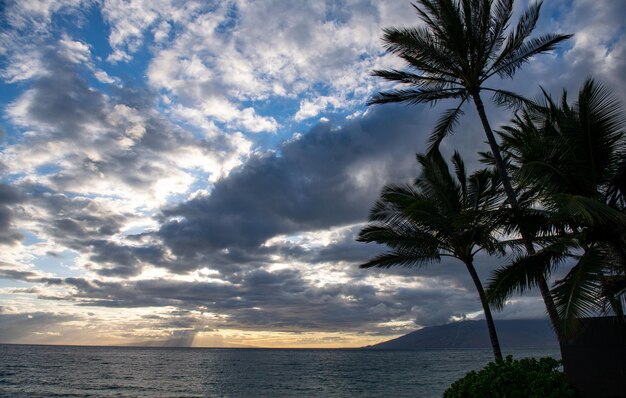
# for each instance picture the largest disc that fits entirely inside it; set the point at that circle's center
(195, 173)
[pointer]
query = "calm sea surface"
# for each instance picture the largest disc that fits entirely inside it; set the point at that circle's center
(54, 371)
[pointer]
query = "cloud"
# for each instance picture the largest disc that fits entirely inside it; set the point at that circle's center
(273, 301)
(119, 146)
(8, 196)
(92, 164)
(24, 326)
(264, 52)
(75, 112)
(599, 45)
(68, 122)
(74, 51)
(167, 196)
(28, 24)
(328, 177)
(37, 14)
(130, 20)
(311, 108)
(7, 271)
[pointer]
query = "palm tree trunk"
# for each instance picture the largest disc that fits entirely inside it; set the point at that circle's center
(510, 193)
(493, 336)
(495, 150)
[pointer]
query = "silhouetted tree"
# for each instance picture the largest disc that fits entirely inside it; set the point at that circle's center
(571, 160)
(439, 216)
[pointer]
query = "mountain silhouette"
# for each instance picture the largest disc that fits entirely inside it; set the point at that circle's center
(517, 333)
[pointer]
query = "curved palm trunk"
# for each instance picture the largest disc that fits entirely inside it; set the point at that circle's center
(510, 193)
(493, 336)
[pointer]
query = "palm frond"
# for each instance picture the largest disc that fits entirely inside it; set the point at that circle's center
(402, 259)
(578, 294)
(510, 99)
(516, 38)
(510, 64)
(420, 49)
(446, 124)
(502, 10)
(401, 239)
(416, 96)
(432, 217)
(461, 174)
(599, 106)
(460, 44)
(485, 192)
(413, 78)
(524, 273)
(615, 192)
(454, 38)
(567, 159)
(437, 183)
(428, 13)
(583, 210)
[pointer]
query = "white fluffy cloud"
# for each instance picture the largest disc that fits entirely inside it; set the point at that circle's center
(264, 51)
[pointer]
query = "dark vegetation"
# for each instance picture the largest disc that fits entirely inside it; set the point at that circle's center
(524, 378)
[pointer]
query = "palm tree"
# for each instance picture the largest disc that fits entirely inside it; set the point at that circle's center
(462, 44)
(437, 217)
(572, 161)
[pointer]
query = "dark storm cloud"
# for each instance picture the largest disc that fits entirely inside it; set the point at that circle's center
(9, 196)
(62, 101)
(123, 260)
(71, 218)
(328, 177)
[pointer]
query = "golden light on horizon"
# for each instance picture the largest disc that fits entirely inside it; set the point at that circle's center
(268, 339)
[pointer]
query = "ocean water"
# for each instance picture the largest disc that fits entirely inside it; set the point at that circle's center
(62, 371)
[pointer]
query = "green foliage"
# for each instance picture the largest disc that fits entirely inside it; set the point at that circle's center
(524, 378)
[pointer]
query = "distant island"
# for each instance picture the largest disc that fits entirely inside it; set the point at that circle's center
(518, 333)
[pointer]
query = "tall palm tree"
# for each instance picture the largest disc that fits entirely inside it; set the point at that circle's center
(572, 160)
(462, 44)
(437, 217)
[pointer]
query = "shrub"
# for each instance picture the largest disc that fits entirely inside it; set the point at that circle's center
(524, 378)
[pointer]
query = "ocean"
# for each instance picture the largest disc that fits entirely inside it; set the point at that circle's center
(70, 371)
